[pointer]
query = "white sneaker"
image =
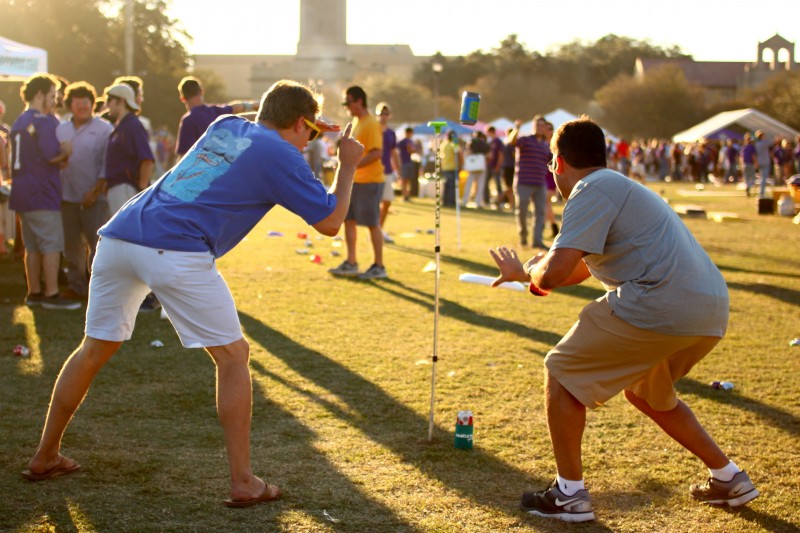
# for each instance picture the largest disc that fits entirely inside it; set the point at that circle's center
(387, 239)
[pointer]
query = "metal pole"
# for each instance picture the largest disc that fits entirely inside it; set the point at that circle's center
(458, 194)
(129, 37)
(437, 127)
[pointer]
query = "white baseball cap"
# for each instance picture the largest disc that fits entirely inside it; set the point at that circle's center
(125, 92)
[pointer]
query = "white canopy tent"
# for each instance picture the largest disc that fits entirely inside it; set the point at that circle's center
(557, 118)
(734, 124)
(18, 61)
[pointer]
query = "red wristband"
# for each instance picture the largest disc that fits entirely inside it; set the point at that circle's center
(536, 291)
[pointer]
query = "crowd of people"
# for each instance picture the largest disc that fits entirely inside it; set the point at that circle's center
(88, 178)
(72, 160)
(755, 158)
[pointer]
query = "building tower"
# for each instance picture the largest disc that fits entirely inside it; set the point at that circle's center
(323, 29)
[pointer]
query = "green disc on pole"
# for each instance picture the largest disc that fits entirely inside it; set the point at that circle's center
(437, 126)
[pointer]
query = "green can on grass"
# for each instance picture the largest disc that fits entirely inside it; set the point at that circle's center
(464, 429)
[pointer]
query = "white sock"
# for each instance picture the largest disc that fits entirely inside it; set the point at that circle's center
(568, 486)
(726, 473)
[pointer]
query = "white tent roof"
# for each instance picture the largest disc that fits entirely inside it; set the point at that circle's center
(502, 124)
(557, 118)
(18, 61)
(734, 124)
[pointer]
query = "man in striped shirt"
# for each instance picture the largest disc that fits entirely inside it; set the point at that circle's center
(530, 184)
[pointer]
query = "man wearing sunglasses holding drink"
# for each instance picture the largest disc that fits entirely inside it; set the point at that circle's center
(167, 239)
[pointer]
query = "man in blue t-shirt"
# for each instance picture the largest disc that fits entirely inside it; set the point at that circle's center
(36, 192)
(167, 238)
(199, 115)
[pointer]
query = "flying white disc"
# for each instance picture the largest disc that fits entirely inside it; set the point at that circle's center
(488, 280)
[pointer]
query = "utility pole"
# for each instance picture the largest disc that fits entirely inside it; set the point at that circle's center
(128, 37)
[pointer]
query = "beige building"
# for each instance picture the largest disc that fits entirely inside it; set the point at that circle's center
(323, 59)
(725, 80)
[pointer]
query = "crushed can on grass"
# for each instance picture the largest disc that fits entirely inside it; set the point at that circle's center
(21, 351)
(724, 385)
(464, 428)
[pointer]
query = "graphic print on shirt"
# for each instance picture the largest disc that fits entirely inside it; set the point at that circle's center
(203, 165)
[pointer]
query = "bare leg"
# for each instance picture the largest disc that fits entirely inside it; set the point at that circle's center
(350, 233)
(234, 407)
(50, 264)
(376, 234)
(566, 418)
(681, 424)
(384, 212)
(33, 271)
(69, 391)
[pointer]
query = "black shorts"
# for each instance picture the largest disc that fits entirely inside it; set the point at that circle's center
(365, 202)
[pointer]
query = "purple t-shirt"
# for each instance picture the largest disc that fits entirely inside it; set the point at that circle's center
(732, 153)
(749, 154)
(195, 123)
(36, 182)
(389, 144)
(495, 149)
(534, 154)
(128, 146)
(405, 148)
(220, 189)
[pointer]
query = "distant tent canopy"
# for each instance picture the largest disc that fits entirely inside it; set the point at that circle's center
(19, 61)
(733, 125)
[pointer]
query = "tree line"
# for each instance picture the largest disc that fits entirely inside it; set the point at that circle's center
(84, 40)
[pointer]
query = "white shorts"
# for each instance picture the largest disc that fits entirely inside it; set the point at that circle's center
(118, 195)
(188, 285)
(388, 187)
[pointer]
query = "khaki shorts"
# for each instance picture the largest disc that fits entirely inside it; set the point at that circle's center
(602, 355)
(43, 231)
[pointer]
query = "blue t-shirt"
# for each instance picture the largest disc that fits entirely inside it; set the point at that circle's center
(228, 181)
(37, 185)
(195, 123)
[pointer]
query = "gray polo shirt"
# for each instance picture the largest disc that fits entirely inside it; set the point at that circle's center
(657, 275)
(762, 152)
(87, 162)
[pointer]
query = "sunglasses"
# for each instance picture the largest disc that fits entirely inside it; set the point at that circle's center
(347, 103)
(315, 131)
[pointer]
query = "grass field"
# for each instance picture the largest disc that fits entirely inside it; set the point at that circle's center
(341, 372)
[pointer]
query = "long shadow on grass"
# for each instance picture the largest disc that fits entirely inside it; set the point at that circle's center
(793, 264)
(392, 424)
(307, 472)
(767, 522)
(783, 294)
(451, 309)
(464, 264)
(739, 270)
(778, 418)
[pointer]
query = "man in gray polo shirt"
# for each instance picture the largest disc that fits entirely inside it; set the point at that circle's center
(84, 208)
(764, 161)
(665, 308)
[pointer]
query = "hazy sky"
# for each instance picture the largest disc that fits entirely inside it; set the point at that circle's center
(713, 30)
